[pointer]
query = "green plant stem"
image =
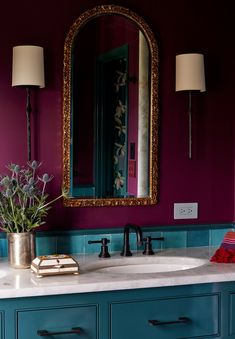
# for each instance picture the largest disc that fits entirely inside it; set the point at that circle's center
(13, 213)
(50, 202)
(43, 189)
(9, 227)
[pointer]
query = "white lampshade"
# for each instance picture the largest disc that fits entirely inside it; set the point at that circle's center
(190, 73)
(28, 66)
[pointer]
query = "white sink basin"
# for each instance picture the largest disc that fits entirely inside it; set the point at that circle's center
(145, 265)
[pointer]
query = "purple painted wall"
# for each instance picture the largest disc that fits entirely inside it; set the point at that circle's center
(180, 27)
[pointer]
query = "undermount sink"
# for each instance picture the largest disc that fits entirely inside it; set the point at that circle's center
(145, 265)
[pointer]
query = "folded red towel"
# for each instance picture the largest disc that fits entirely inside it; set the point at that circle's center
(226, 252)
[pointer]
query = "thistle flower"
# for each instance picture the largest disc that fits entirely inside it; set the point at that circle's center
(23, 204)
(26, 188)
(16, 169)
(31, 181)
(5, 181)
(34, 164)
(8, 193)
(46, 178)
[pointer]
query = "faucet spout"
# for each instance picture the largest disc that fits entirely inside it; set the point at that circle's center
(126, 243)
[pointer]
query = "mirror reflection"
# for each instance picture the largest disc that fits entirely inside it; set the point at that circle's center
(110, 110)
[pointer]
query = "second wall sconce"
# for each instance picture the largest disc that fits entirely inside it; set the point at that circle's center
(190, 76)
(28, 72)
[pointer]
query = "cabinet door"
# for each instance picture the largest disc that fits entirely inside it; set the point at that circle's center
(185, 317)
(67, 322)
(1, 324)
(231, 309)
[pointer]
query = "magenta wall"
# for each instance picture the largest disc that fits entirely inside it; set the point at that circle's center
(180, 27)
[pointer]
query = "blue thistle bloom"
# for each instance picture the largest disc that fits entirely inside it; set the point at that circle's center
(46, 178)
(31, 192)
(23, 203)
(5, 182)
(16, 169)
(8, 193)
(26, 188)
(34, 164)
(31, 181)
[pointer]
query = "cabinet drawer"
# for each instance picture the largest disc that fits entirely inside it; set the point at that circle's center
(131, 319)
(57, 320)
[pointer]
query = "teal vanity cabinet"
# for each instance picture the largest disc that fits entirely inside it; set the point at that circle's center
(183, 312)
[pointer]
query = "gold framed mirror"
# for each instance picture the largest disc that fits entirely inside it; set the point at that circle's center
(110, 110)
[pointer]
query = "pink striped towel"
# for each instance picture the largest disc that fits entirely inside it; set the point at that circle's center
(226, 252)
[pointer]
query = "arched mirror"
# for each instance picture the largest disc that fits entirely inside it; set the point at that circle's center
(110, 110)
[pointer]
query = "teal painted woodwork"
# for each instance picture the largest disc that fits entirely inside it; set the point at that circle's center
(232, 314)
(1, 325)
(111, 127)
(125, 314)
(58, 319)
(84, 191)
(137, 315)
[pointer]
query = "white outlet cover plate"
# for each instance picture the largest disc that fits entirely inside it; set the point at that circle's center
(188, 210)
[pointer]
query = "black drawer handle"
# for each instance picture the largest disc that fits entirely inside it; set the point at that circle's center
(45, 333)
(181, 320)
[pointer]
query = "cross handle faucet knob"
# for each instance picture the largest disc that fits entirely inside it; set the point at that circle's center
(104, 251)
(148, 245)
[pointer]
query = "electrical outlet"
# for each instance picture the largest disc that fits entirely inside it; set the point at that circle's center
(188, 210)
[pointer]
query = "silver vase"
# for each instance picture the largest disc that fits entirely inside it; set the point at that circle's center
(21, 249)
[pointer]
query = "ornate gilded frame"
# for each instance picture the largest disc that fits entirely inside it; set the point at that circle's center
(154, 110)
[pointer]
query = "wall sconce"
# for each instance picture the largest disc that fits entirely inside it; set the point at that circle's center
(28, 72)
(190, 76)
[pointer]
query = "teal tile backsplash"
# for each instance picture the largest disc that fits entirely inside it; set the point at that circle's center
(46, 245)
(3, 247)
(175, 239)
(70, 244)
(216, 236)
(198, 238)
(116, 242)
(77, 241)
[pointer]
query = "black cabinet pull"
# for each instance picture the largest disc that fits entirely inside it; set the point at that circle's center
(45, 333)
(181, 320)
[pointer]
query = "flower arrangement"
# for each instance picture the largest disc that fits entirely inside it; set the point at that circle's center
(23, 198)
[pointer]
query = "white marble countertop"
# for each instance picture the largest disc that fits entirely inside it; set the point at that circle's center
(16, 283)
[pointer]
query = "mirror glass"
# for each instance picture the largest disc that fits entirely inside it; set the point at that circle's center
(110, 110)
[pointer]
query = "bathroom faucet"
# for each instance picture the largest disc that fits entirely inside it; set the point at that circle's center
(126, 244)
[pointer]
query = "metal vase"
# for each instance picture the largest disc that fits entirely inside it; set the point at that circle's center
(21, 249)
